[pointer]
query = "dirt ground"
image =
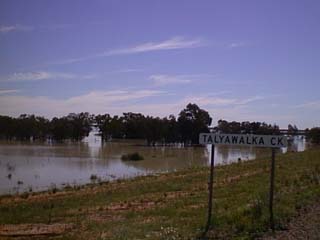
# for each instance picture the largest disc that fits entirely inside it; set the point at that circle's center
(25, 231)
(305, 226)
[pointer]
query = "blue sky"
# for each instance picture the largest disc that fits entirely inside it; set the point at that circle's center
(240, 60)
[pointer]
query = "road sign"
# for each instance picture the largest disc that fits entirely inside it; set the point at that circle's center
(273, 141)
(270, 141)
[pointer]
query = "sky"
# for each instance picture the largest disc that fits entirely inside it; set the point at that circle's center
(239, 60)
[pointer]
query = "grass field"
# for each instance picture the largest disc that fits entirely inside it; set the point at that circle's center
(171, 205)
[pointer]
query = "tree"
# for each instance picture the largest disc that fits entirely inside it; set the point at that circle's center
(74, 126)
(110, 127)
(246, 127)
(6, 127)
(80, 125)
(102, 123)
(223, 126)
(292, 129)
(314, 135)
(171, 130)
(154, 130)
(134, 125)
(192, 121)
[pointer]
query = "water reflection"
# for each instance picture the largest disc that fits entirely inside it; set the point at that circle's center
(227, 155)
(39, 166)
(296, 144)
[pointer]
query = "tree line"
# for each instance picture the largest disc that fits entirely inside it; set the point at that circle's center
(313, 135)
(31, 127)
(184, 128)
(246, 127)
(191, 121)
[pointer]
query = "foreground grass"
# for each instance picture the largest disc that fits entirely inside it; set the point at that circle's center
(173, 206)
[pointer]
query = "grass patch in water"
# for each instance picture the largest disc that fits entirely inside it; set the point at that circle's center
(132, 157)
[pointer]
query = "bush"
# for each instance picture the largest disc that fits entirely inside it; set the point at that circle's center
(314, 135)
(93, 177)
(132, 157)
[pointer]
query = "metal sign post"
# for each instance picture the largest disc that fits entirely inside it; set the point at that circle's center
(210, 190)
(270, 141)
(272, 188)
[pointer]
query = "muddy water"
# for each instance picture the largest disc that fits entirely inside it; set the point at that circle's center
(36, 167)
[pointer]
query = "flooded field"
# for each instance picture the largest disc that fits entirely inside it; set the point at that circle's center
(36, 166)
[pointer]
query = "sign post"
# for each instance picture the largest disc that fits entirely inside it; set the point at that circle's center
(270, 141)
(210, 190)
(271, 221)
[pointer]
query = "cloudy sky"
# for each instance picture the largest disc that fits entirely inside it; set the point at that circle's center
(240, 60)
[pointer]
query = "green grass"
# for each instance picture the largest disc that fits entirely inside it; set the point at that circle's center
(173, 205)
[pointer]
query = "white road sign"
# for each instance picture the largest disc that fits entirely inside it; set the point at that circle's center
(275, 141)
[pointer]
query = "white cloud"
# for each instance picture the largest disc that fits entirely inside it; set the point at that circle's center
(40, 75)
(233, 109)
(161, 80)
(73, 60)
(309, 105)
(170, 44)
(8, 91)
(148, 102)
(114, 102)
(238, 109)
(173, 43)
(56, 26)
(127, 70)
(220, 101)
(236, 45)
(249, 100)
(15, 28)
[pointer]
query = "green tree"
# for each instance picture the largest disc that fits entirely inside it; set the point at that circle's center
(292, 129)
(134, 125)
(74, 126)
(314, 135)
(110, 127)
(191, 121)
(246, 127)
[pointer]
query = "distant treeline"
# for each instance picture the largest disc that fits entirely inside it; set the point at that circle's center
(186, 128)
(182, 129)
(27, 127)
(246, 127)
(313, 134)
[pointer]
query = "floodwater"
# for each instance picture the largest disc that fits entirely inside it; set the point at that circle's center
(41, 166)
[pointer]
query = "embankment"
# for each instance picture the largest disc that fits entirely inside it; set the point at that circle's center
(169, 206)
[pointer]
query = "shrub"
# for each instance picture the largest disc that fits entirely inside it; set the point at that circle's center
(93, 177)
(132, 157)
(314, 135)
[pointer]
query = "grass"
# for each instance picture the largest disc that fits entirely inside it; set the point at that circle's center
(173, 205)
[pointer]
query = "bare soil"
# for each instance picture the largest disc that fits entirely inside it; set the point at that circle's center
(30, 230)
(305, 226)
